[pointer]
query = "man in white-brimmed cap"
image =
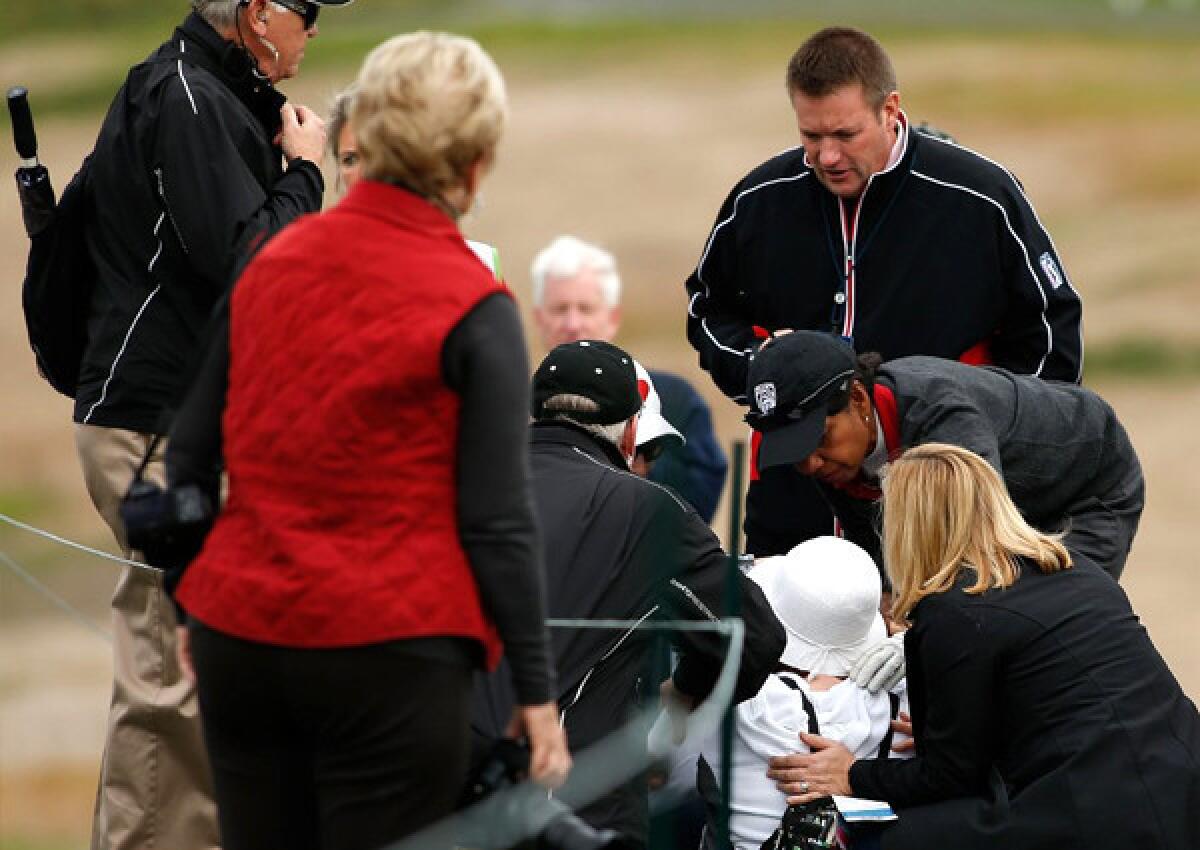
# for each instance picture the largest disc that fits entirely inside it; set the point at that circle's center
(654, 433)
(577, 295)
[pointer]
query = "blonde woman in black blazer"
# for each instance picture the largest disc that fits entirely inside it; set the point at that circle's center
(1043, 715)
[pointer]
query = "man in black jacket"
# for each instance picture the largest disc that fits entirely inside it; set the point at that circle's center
(620, 547)
(577, 295)
(901, 241)
(186, 180)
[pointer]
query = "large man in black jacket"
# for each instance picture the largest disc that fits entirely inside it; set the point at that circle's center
(901, 241)
(186, 179)
(620, 547)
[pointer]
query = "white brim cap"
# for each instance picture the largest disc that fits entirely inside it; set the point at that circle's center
(652, 425)
(826, 594)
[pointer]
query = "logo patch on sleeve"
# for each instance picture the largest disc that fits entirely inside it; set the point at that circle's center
(1046, 261)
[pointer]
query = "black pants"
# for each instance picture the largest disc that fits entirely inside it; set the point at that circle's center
(332, 749)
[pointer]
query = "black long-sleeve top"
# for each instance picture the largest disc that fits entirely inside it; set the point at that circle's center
(1048, 706)
(484, 361)
(185, 182)
(942, 253)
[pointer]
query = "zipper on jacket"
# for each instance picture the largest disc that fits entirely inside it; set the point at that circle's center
(162, 194)
(844, 301)
(842, 319)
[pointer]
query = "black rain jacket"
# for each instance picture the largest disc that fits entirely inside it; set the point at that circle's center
(943, 254)
(186, 181)
(620, 547)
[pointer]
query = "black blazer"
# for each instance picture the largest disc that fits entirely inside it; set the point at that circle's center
(1044, 717)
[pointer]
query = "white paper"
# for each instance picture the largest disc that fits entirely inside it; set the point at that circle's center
(858, 809)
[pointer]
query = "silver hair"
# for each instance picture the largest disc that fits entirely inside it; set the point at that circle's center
(220, 14)
(566, 257)
(560, 407)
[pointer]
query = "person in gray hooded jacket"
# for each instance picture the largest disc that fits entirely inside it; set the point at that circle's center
(1064, 456)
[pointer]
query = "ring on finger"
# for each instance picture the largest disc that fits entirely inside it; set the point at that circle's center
(803, 787)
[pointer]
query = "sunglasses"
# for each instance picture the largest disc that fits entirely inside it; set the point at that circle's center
(304, 9)
(652, 450)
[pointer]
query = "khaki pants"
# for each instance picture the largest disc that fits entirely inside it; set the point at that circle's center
(155, 789)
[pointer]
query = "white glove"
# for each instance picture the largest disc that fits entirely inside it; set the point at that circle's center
(881, 667)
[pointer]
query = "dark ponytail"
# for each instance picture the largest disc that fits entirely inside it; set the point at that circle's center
(866, 368)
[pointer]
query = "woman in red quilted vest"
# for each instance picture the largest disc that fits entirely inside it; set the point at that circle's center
(367, 393)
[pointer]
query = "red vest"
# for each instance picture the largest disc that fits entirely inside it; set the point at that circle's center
(340, 437)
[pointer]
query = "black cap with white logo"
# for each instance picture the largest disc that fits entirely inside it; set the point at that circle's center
(793, 383)
(596, 370)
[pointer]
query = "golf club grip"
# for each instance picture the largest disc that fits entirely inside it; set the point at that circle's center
(22, 122)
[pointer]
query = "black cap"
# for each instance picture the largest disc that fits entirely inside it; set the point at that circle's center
(595, 370)
(793, 384)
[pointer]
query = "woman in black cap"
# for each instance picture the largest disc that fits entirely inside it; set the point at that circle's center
(1060, 449)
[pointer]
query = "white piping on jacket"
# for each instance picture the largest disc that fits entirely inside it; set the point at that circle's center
(112, 370)
(712, 236)
(1033, 211)
(125, 342)
(562, 715)
(616, 471)
(1024, 251)
(186, 87)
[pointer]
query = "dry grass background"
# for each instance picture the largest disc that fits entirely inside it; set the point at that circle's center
(636, 150)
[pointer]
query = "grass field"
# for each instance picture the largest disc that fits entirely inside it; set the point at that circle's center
(629, 132)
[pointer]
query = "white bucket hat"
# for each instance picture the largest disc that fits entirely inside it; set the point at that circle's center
(826, 593)
(652, 425)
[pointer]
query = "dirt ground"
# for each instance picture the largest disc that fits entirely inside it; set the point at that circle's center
(639, 158)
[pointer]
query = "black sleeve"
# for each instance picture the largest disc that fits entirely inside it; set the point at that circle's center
(194, 445)
(193, 455)
(956, 677)
(697, 590)
(212, 201)
(484, 361)
(1042, 332)
(721, 334)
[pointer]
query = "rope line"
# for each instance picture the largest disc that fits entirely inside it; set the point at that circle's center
(724, 627)
(66, 607)
(99, 553)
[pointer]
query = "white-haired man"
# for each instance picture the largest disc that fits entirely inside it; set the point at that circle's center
(187, 178)
(577, 295)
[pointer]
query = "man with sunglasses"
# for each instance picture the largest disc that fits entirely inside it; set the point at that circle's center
(199, 161)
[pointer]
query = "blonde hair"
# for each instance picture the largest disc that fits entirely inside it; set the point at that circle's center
(946, 510)
(429, 105)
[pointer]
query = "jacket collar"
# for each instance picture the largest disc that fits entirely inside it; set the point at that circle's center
(885, 182)
(569, 434)
(197, 43)
(396, 205)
